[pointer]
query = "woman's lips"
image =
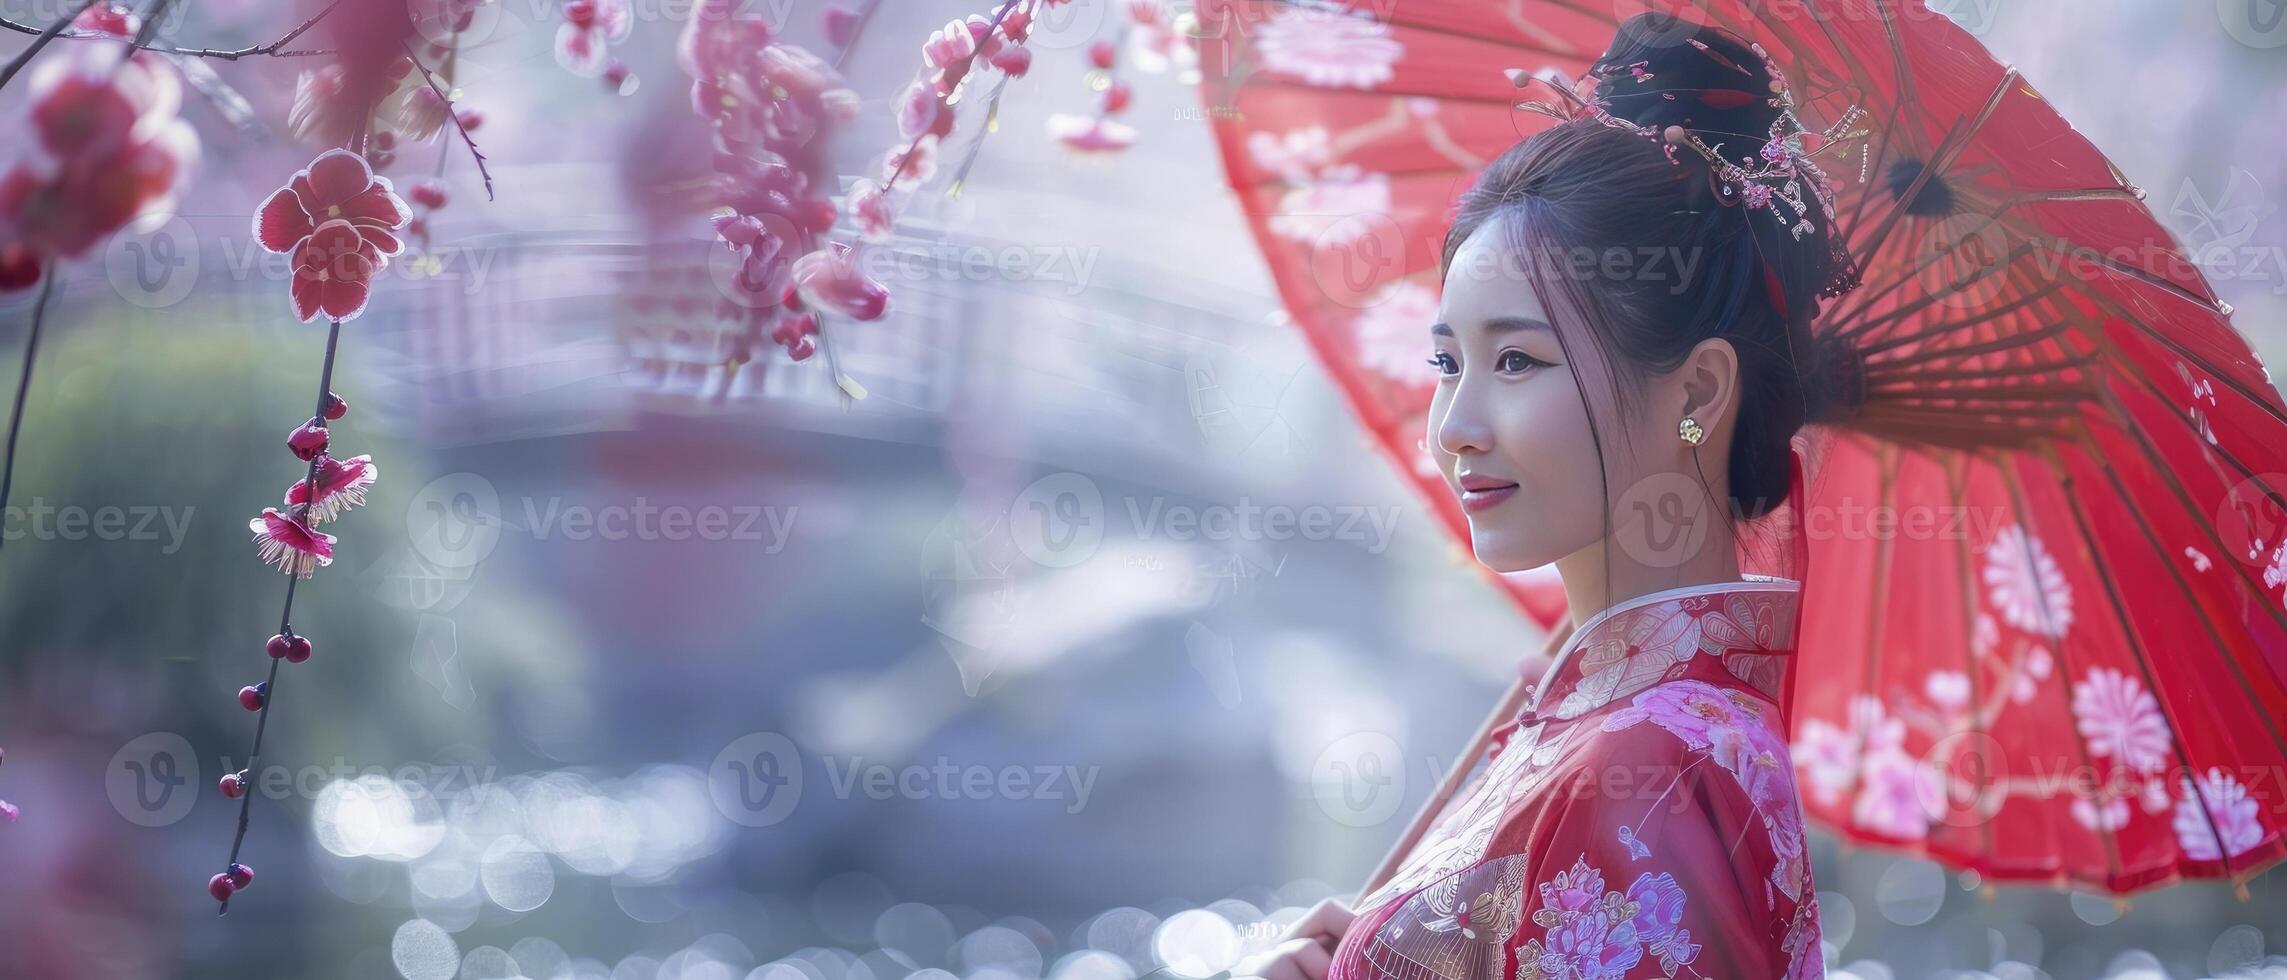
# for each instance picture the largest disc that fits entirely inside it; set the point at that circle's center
(1481, 498)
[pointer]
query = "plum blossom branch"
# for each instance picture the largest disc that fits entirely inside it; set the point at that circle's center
(458, 123)
(269, 689)
(53, 31)
(275, 48)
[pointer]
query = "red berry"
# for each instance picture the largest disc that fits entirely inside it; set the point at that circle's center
(298, 650)
(234, 785)
(1102, 54)
(220, 887)
(240, 875)
(469, 119)
(250, 698)
(336, 406)
(1015, 23)
(802, 348)
(1116, 97)
(279, 645)
(308, 440)
(429, 193)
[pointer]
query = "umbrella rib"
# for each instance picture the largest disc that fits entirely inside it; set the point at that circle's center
(2147, 278)
(2233, 383)
(2270, 725)
(1936, 353)
(1870, 324)
(1863, 299)
(1957, 139)
(2237, 464)
(2144, 665)
(1886, 459)
(2011, 479)
(1948, 376)
(1948, 326)
(2199, 515)
(1957, 479)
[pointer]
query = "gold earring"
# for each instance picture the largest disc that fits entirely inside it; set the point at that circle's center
(1690, 432)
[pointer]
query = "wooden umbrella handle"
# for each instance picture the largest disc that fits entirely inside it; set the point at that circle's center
(1503, 712)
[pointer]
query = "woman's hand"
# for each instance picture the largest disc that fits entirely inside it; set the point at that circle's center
(1307, 948)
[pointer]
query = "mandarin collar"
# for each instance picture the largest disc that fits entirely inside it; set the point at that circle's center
(1631, 645)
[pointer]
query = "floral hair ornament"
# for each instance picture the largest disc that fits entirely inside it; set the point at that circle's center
(1784, 176)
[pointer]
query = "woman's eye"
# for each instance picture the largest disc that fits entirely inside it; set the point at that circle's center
(1517, 362)
(1444, 364)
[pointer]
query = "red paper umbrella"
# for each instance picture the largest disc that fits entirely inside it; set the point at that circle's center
(2045, 621)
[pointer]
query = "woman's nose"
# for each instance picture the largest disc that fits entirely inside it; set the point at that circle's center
(1462, 429)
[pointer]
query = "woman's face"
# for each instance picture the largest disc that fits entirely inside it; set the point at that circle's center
(1508, 427)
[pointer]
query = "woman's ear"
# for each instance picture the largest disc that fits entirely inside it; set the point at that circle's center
(1709, 380)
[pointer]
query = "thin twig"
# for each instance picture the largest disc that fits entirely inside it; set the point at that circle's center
(24, 387)
(966, 64)
(285, 617)
(275, 48)
(25, 56)
(454, 112)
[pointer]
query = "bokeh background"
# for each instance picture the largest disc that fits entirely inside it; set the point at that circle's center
(638, 668)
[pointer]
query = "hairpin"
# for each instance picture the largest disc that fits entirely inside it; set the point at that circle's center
(1784, 176)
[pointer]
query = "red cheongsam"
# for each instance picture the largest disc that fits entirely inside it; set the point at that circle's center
(1638, 819)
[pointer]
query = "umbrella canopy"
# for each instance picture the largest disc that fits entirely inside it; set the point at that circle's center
(2045, 617)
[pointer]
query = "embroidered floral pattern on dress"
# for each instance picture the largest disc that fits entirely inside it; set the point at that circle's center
(1530, 873)
(1594, 933)
(1637, 647)
(1738, 731)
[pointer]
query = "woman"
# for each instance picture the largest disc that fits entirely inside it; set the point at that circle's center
(1620, 381)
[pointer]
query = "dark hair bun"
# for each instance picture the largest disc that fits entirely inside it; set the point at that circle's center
(1664, 71)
